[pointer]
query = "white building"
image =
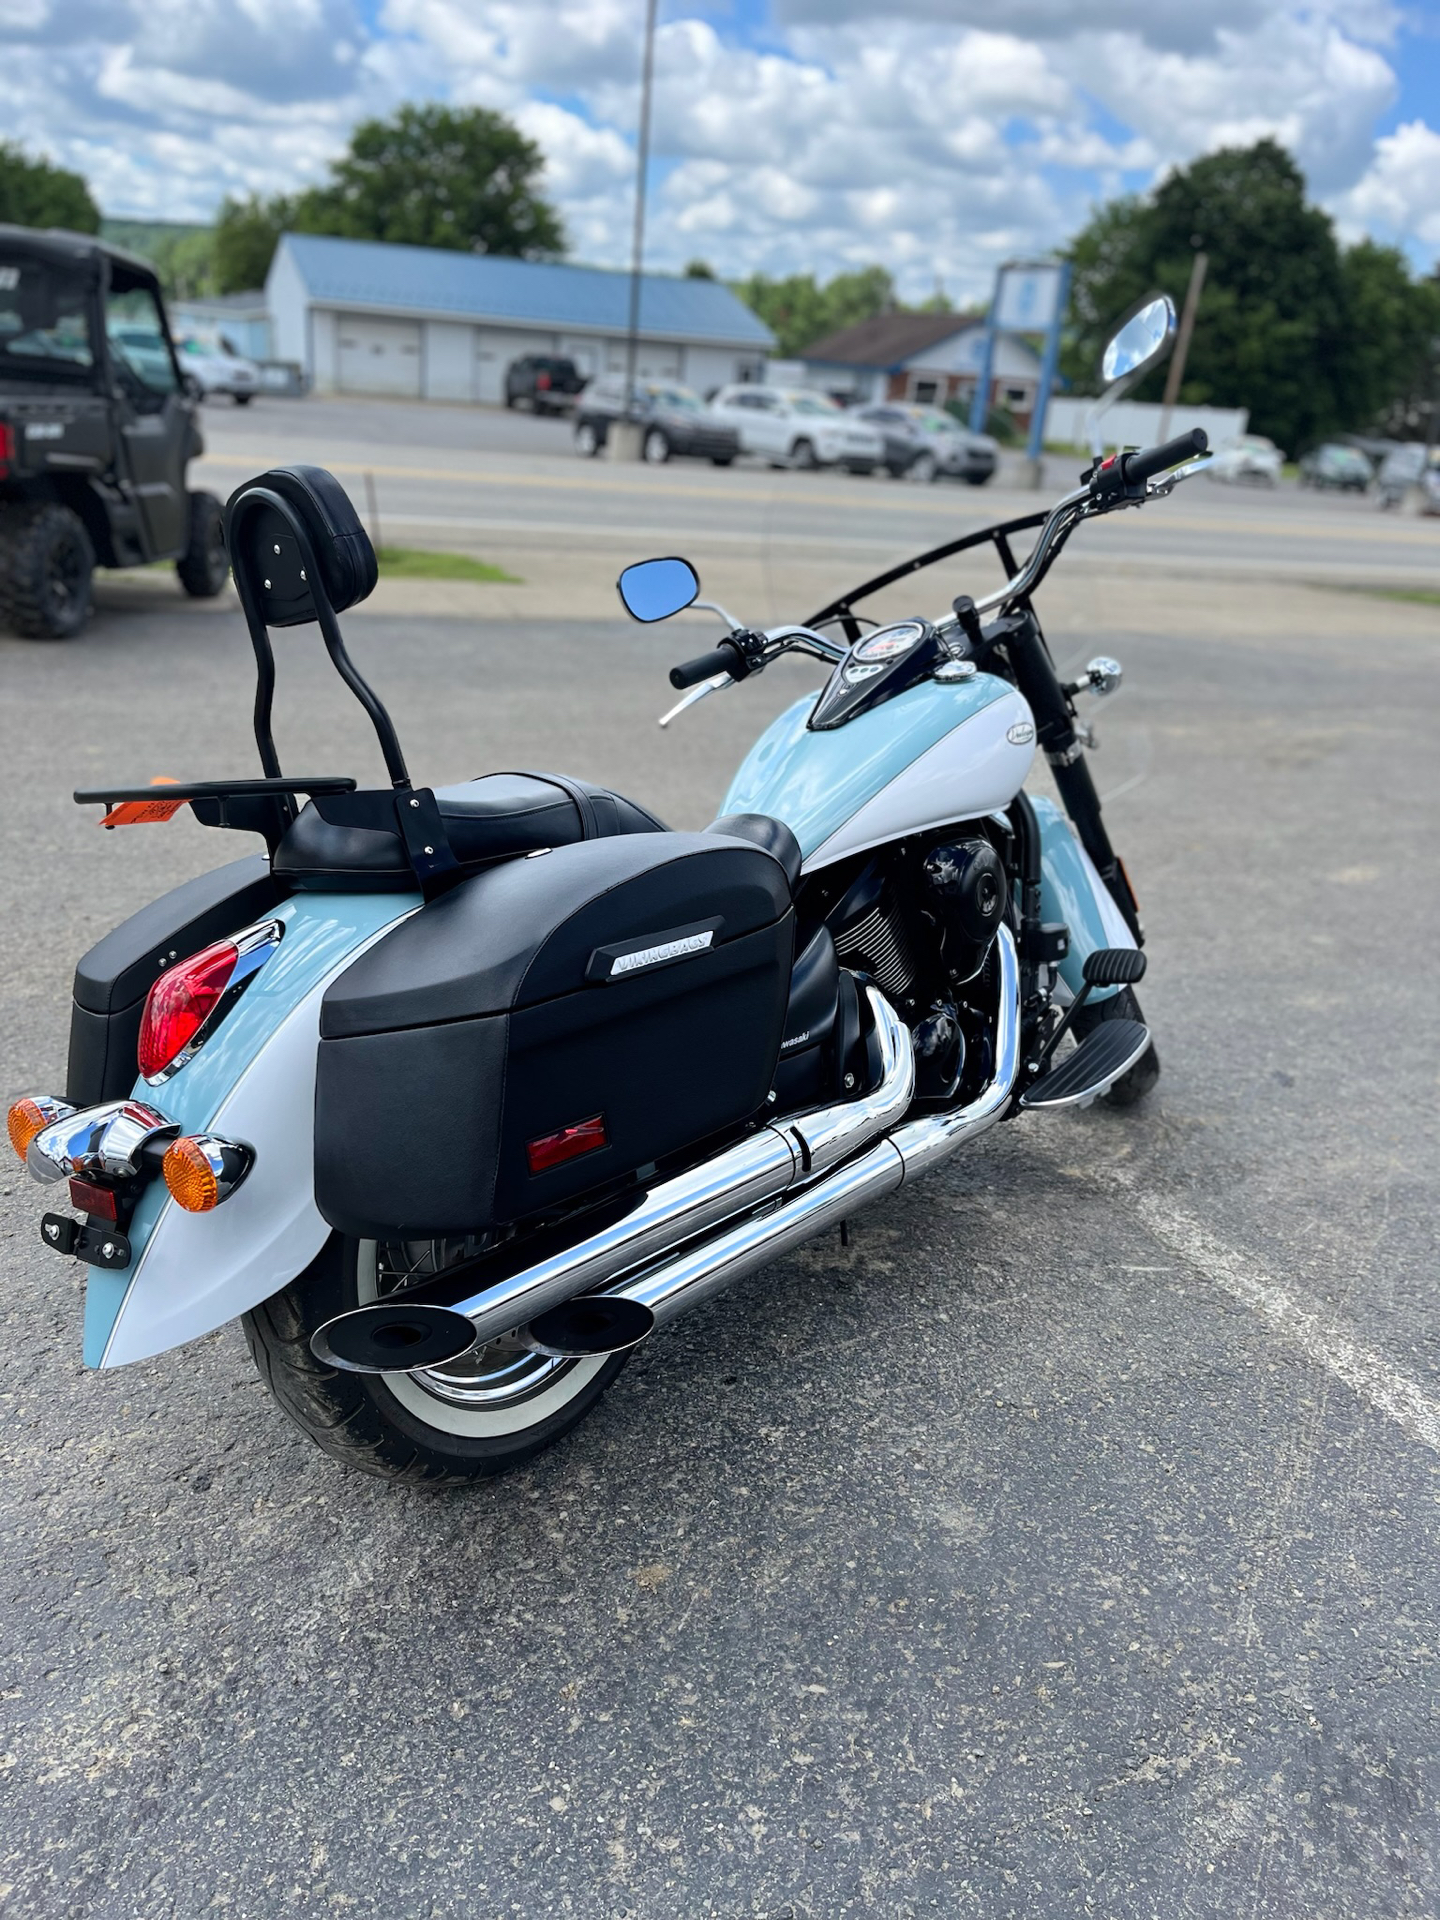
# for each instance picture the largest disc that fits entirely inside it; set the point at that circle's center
(423, 323)
(926, 358)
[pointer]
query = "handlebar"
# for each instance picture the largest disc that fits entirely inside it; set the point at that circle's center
(722, 659)
(1124, 470)
(1153, 460)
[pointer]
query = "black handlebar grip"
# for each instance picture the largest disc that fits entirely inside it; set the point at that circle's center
(1145, 465)
(722, 659)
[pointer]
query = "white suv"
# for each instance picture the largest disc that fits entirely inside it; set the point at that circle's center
(793, 427)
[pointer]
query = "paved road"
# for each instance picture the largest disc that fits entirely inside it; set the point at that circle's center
(483, 479)
(1066, 1546)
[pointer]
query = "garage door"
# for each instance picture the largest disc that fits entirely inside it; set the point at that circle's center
(379, 356)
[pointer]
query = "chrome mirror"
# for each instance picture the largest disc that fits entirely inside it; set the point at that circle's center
(1144, 339)
(654, 589)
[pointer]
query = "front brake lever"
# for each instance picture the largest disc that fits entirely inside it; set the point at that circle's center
(712, 685)
(1158, 489)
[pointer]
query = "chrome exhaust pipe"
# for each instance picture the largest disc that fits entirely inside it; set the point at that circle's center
(785, 1154)
(689, 1278)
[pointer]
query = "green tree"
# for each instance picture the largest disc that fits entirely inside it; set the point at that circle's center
(1393, 328)
(438, 176)
(33, 193)
(799, 312)
(246, 233)
(699, 270)
(1310, 338)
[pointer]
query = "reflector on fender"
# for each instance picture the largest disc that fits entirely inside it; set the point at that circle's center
(549, 1150)
(201, 1170)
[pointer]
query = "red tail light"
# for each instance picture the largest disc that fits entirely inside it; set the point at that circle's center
(179, 1004)
(554, 1149)
(7, 447)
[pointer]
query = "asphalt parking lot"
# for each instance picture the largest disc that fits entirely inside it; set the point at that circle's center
(1063, 1546)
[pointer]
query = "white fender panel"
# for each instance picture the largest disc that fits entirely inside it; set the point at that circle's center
(199, 1270)
(977, 768)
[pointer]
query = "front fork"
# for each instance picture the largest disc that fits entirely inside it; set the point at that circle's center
(1036, 678)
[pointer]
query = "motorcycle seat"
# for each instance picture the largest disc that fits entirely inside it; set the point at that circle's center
(350, 842)
(772, 835)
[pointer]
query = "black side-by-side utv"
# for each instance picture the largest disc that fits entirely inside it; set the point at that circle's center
(97, 427)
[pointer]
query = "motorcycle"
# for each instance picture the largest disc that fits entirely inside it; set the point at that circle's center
(456, 1094)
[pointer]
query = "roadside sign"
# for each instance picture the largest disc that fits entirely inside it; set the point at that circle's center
(1027, 296)
(1030, 297)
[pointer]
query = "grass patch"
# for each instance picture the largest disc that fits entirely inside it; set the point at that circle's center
(423, 563)
(1417, 596)
(1421, 596)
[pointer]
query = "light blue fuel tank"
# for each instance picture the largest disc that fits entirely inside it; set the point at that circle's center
(936, 753)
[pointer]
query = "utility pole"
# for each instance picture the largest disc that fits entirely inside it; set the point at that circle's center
(624, 437)
(1182, 343)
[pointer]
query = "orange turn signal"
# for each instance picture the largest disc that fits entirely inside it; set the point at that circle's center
(24, 1120)
(192, 1180)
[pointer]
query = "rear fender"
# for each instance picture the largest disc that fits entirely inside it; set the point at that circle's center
(253, 1082)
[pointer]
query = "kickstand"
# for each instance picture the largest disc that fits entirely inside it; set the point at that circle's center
(844, 1233)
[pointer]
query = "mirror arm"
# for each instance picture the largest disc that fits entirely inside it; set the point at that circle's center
(714, 606)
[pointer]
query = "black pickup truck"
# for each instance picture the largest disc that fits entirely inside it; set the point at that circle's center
(97, 428)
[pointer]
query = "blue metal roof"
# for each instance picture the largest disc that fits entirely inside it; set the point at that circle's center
(432, 280)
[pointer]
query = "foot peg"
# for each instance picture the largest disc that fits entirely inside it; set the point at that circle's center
(1097, 1063)
(1114, 967)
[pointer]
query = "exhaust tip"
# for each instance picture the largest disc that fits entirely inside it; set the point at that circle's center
(392, 1338)
(593, 1323)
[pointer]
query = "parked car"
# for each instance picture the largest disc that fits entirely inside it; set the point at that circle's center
(921, 444)
(673, 420)
(1410, 465)
(544, 382)
(797, 428)
(219, 367)
(1251, 460)
(1338, 468)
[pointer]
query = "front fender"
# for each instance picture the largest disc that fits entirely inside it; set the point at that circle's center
(1071, 890)
(255, 1082)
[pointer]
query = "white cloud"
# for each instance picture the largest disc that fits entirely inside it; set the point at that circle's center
(932, 135)
(1398, 197)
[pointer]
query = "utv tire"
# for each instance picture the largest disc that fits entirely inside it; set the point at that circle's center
(47, 566)
(1134, 1084)
(442, 1428)
(204, 566)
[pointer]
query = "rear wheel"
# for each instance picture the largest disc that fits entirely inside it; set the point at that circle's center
(656, 447)
(1137, 1082)
(923, 469)
(587, 441)
(46, 571)
(722, 459)
(243, 399)
(804, 456)
(490, 1410)
(204, 566)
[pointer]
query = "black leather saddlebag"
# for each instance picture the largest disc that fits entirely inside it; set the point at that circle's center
(549, 1027)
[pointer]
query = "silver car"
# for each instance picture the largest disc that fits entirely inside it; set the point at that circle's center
(922, 443)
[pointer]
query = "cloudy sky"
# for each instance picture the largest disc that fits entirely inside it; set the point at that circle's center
(789, 134)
